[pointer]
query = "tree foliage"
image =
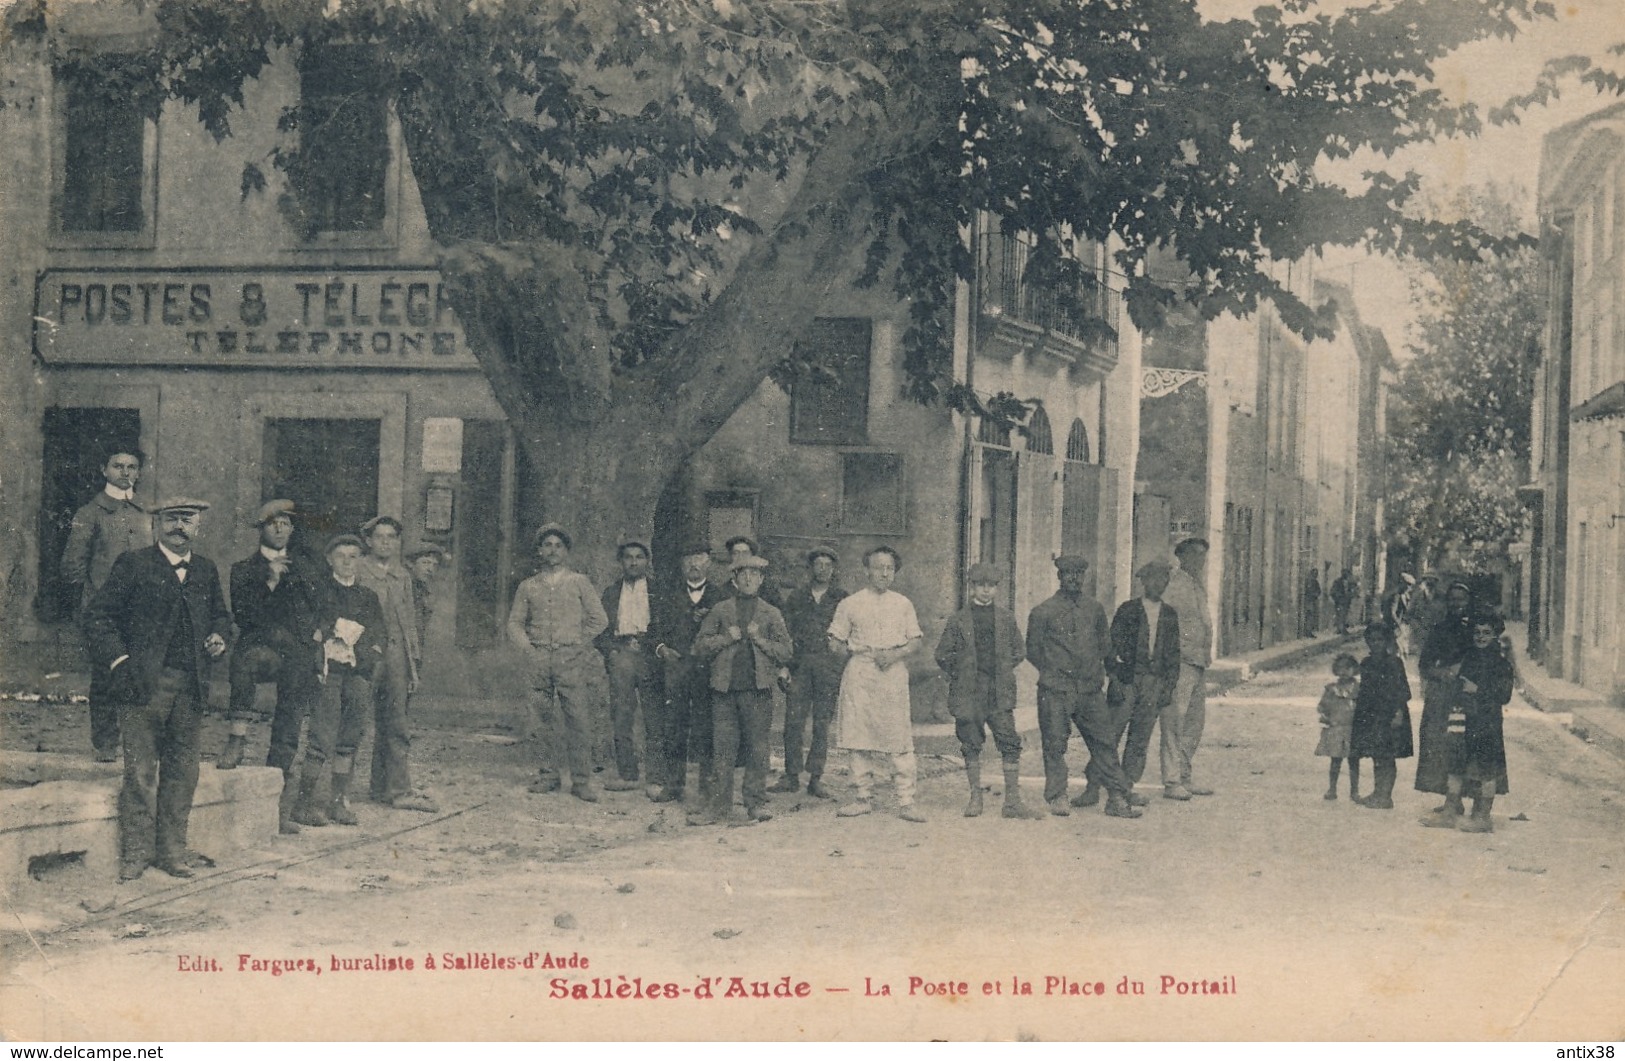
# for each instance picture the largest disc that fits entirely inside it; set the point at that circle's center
(1459, 420)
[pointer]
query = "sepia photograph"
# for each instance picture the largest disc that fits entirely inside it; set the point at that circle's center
(812, 520)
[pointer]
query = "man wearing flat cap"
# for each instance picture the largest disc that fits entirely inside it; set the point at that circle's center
(1185, 716)
(629, 657)
(424, 561)
(1144, 669)
(153, 627)
(556, 617)
(815, 674)
(1067, 640)
(746, 641)
(273, 601)
(395, 678)
(979, 650)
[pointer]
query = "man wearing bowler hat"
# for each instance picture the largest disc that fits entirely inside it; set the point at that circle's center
(154, 626)
(677, 614)
(273, 600)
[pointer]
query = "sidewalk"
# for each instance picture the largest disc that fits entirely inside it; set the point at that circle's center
(1591, 717)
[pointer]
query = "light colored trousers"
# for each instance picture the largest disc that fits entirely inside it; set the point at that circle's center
(1181, 724)
(867, 765)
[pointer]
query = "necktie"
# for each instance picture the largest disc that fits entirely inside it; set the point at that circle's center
(180, 569)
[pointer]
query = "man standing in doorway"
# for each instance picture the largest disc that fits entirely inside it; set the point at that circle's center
(686, 729)
(815, 674)
(108, 526)
(273, 600)
(1182, 720)
(153, 627)
(395, 678)
(634, 676)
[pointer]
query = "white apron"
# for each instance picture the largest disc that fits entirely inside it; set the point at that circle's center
(872, 711)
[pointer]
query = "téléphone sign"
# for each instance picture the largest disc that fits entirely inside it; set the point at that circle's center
(352, 318)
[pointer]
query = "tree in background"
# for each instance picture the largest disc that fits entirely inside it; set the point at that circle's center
(1459, 418)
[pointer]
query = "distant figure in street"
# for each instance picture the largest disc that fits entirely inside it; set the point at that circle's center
(396, 678)
(273, 601)
(1144, 670)
(1474, 746)
(1344, 591)
(1440, 664)
(877, 630)
(629, 659)
(109, 525)
(815, 674)
(1396, 610)
(154, 626)
(1311, 606)
(979, 650)
(555, 618)
(746, 640)
(685, 727)
(1336, 712)
(1182, 721)
(1382, 715)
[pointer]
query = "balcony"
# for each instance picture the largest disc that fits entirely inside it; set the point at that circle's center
(1019, 317)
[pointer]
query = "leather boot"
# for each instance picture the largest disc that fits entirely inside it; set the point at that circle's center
(1088, 797)
(285, 803)
(310, 811)
(1480, 820)
(1445, 817)
(1118, 807)
(1013, 805)
(231, 757)
(973, 774)
(338, 809)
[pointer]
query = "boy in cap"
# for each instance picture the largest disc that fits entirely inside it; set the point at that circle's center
(556, 615)
(273, 600)
(153, 626)
(746, 640)
(979, 650)
(424, 563)
(815, 674)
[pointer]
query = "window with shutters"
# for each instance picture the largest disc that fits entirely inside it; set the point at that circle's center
(105, 152)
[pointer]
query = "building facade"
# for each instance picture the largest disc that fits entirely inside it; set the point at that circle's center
(1577, 493)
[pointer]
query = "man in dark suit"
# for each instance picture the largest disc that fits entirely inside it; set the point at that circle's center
(273, 600)
(676, 615)
(815, 674)
(154, 626)
(629, 659)
(1144, 667)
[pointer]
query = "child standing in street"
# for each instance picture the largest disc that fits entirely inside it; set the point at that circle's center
(1337, 724)
(1382, 715)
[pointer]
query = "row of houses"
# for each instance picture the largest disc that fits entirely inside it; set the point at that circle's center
(146, 302)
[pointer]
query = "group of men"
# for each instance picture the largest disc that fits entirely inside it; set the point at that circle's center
(334, 640)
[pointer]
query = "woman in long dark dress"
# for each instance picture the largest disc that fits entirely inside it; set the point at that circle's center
(1475, 747)
(1382, 714)
(1440, 664)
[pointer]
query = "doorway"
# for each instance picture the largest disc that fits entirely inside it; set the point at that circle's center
(327, 468)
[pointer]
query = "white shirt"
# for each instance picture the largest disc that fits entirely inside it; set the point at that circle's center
(1153, 611)
(632, 617)
(696, 592)
(119, 495)
(272, 554)
(175, 558)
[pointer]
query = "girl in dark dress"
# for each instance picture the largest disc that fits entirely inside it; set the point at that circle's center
(1382, 714)
(1475, 749)
(1440, 663)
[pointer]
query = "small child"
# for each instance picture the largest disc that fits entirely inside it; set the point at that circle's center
(1382, 715)
(1337, 723)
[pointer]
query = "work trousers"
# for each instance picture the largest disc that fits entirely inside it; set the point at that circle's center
(813, 691)
(567, 683)
(160, 771)
(339, 718)
(1134, 707)
(1058, 711)
(868, 765)
(1181, 723)
(686, 726)
(742, 719)
(972, 732)
(293, 671)
(391, 744)
(634, 688)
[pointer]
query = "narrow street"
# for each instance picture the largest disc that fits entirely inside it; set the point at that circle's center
(1262, 912)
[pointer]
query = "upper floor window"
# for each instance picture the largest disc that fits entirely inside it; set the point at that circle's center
(829, 405)
(105, 149)
(342, 173)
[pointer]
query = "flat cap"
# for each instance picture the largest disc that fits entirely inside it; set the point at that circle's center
(823, 550)
(344, 539)
(178, 504)
(556, 531)
(985, 572)
(272, 509)
(426, 549)
(1071, 562)
(748, 563)
(372, 524)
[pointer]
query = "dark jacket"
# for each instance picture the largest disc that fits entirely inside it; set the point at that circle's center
(334, 601)
(1382, 714)
(135, 612)
(675, 620)
(103, 530)
(771, 648)
(1131, 645)
(283, 618)
(809, 624)
(956, 655)
(612, 608)
(1068, 642)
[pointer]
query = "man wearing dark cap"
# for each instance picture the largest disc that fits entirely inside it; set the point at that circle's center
(686, 729)
(396, 677)
(273, 601)
(153, 627)
(740, 546)
(1144, 668)
(815, 674)
(1068, 641)
(109, 525)
(555, 619)
(629, 657)
(424, 561)
(979, 650)
(746, 641)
